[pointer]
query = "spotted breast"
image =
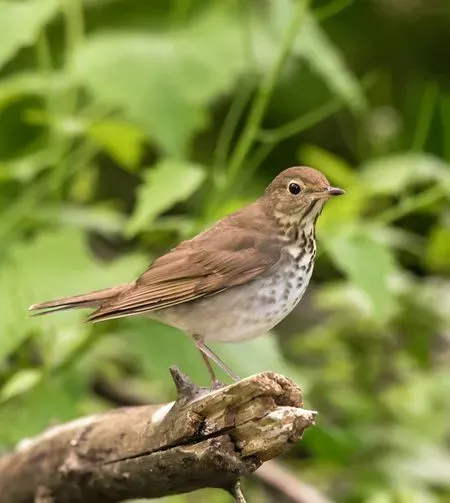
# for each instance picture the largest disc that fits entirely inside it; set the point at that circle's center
(248, 311)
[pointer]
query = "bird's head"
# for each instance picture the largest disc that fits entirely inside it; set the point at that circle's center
(298, 195)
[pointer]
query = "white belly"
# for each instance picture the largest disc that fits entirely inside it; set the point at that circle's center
(245, 311)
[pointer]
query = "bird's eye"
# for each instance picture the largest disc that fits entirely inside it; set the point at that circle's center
(294, 188)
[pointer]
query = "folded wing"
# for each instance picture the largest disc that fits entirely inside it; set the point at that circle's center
(197, 268)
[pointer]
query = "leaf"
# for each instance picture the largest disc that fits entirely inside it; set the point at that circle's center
(164, 80)
(340, 174)
(16, 86)
(313, 45)
(25, 168)
(368, 264)
(438, 249)
(258, 355)
(168, 183)
(403, 495)
(19, 383)
(51, 401)
(336, 169)
(395, 174)
(20, 24)
(50, 266)
(124, 142)
(328, 62)
(157, 346)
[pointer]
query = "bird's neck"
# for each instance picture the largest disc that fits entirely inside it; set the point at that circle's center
(295, 231)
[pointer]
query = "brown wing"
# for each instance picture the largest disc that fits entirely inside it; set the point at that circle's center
(225, 256)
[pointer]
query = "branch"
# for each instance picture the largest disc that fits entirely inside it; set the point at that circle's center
(204, 439)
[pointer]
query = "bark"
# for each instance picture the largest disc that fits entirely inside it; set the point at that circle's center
(203, 439)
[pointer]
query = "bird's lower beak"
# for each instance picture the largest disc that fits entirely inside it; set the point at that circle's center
(334, 191)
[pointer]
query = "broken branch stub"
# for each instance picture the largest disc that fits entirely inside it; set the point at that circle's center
(204, 439)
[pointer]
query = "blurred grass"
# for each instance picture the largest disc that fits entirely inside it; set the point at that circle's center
(126, 126)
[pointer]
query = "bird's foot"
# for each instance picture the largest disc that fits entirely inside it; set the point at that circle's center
(216, 384)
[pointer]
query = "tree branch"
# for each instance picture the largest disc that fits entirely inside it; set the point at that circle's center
(204, 439)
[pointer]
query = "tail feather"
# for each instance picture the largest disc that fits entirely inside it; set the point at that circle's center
(93, 300)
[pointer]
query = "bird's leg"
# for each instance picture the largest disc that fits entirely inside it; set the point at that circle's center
(215, 383)
(207, 355)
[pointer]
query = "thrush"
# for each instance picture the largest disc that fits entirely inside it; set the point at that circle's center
(232, 282)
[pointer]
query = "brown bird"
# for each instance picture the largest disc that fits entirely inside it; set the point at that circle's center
(232, 282)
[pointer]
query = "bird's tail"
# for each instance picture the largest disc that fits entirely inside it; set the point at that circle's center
(93, 299)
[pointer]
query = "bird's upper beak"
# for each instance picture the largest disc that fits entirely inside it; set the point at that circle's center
(334, 191)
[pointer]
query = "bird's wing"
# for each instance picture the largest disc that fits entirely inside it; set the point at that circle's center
(197, 268)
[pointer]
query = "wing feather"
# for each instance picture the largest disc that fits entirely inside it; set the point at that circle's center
(218, 259)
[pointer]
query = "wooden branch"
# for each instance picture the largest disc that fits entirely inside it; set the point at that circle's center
(203, 439)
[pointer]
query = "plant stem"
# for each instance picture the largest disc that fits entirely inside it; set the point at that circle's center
(411, 204)
(301, 123)
(264, 94)
(331, 9)
(74, 37)
(13, 217)
(242, 96)
(230, 123)
(426, 112)
(67, 103)
(445, 121)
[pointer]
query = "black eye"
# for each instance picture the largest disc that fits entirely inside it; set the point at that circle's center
(294, 188)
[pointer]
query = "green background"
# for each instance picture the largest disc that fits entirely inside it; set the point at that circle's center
(129, 125)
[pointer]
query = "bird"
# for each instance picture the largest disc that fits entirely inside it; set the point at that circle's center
(235, 280)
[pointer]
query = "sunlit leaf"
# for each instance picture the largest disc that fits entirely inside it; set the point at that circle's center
(438, 249)
(18, 85)
(158, 346)
(20, 382)
(164, 80)
(52, 401)
(124, 142)
(339, 173)
(394, 174)
(403, 495)
(20, 24)
(336, 169)
(50, 266)
(167, 183)
(368, 264)
(258, 355)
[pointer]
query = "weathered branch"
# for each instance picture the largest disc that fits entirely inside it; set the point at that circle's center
(204, 439)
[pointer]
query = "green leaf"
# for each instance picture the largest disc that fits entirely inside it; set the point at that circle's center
(340, 174)
(368, 264)
(124, 142)
(20, 24)
(313, 45)
(20, 382)
(403, 495)
(265, 355)
(157, 346)
(395, 174)
(438, 249)
(164, 80)
(167, 183)
(50, 266)
(19, 85)
(51, 401)
(336, 169)
(328, 62)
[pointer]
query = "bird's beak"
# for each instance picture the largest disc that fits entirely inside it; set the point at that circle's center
(334, 191)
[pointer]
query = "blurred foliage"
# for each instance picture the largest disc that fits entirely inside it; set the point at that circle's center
(128, 125)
